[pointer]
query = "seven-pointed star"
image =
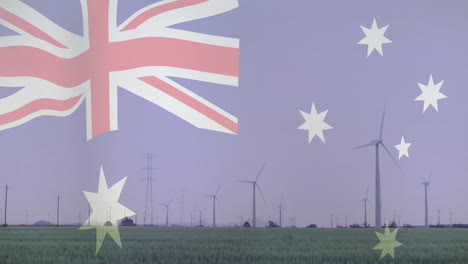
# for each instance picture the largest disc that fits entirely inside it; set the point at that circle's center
(314, 123)
(387, 243)
(106, 211)
(374, 38)
(430, 94)
(403, 148)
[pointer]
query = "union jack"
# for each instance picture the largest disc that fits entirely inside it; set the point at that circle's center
(59, 69)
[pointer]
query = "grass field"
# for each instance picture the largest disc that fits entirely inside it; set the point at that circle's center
(229, 245)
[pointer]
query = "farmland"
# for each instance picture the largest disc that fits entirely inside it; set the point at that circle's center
(229, 245)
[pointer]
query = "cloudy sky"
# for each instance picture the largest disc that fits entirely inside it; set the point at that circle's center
(292, 53)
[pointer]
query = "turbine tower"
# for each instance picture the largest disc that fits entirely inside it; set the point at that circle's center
(281, 208)
(426, 212)
(365, 199)
(377, 143)
(255, 186)
(167, 212)
(215, 199)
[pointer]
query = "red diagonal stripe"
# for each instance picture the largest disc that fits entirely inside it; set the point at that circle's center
(38, 105)
(191, 102)
(28, 27)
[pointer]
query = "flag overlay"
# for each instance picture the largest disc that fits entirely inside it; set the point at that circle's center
(59, 69)
(142, 109)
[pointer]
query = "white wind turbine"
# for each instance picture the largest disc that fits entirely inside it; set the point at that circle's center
(377, 143)
(426, 213)
(365, 199)
(167, 212)
(281, 209)
(255, 186)
(215, 199)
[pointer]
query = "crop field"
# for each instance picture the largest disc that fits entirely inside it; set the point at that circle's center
(229, 245)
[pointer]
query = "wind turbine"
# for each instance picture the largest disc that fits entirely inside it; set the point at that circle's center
(377, 143)
(255, 186)
(167, 212)
(426, 214)
(281, 208)
(215, 199)
(365, 199)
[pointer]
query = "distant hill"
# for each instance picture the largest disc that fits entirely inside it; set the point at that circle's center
(42, 223)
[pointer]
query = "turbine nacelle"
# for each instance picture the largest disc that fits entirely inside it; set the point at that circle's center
(251, 182)
(427, 182)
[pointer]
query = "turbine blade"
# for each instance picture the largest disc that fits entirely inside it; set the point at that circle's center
(382, 124)
(390, 154)
(260, 172)
(244, 181)
(216, 198)
(366, 145)
(216, 193)
(261, 193)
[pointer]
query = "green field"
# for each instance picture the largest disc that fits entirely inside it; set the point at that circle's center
(229, 245)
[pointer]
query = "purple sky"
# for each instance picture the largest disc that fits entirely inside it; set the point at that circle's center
(293, 53)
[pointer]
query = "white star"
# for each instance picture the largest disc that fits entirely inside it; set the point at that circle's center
(314, 123)
(430, 94)
(403, 148)
(106, 211)
(374, 38)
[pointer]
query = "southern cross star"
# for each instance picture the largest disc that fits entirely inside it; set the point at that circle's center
(430, 94)
(387, 243)
(314, 123)
(106, 211)
(403, 148)
(374, 38)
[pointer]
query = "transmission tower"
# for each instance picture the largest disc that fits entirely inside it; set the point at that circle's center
(149, 216)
